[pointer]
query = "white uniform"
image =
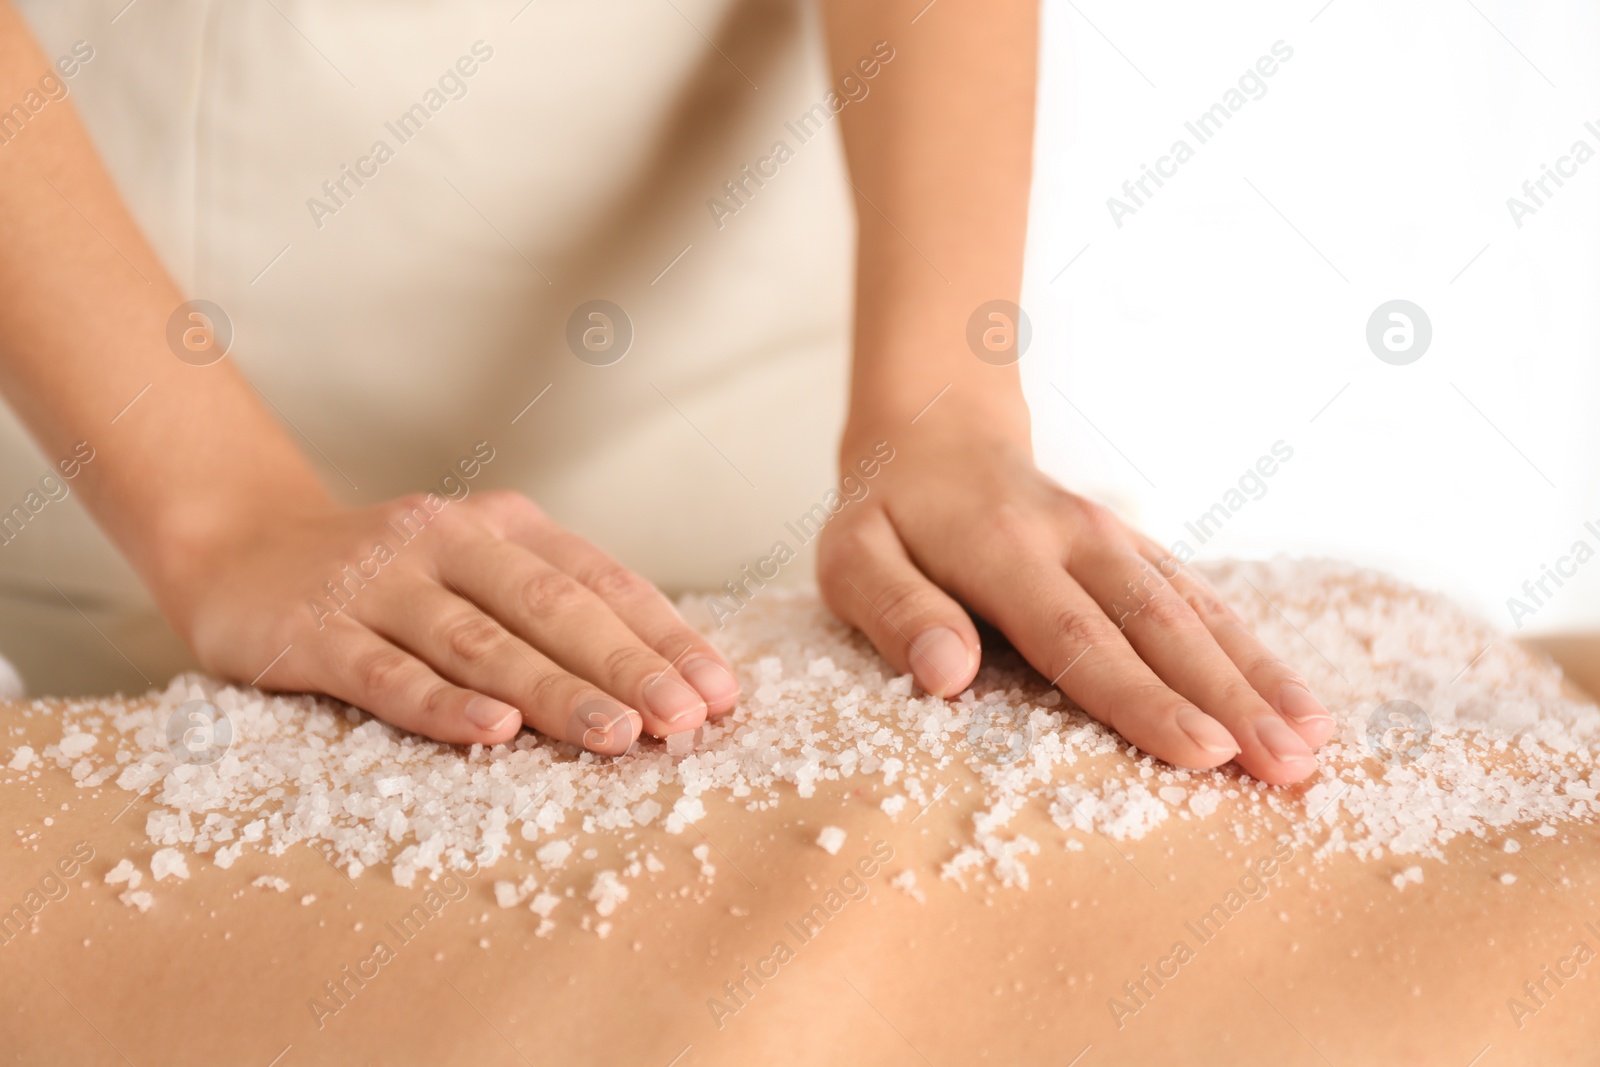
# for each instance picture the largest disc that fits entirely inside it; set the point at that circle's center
(400, 205)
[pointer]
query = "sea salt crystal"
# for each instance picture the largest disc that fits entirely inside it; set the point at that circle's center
(137, 898)
(1507, 878)
(22, 758)
(685, 810)
(607, 892)
(1512, 845)
(74, 745)
(703, 854)
(307, 900)
(906, 882)
(543, 904)
(1507, 752)
(271, 881)
(1409, 875)
(831, 840)
(124, 871)
(168, 861)
(893, 806)
(553, 854)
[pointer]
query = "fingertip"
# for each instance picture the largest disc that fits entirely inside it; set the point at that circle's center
(1288, 757)
(714, 682)
(1313, 722)
(496, 720)
(605, 727)
(942, 661)
(1209, 735)
(674, 705)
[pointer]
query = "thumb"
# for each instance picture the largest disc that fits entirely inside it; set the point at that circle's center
(869, 581)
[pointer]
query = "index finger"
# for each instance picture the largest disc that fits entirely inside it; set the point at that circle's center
(1064, 634)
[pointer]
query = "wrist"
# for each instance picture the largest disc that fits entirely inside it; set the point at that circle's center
(190, 540)
(997, 420)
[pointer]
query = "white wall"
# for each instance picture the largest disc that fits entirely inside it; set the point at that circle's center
(1206, 328)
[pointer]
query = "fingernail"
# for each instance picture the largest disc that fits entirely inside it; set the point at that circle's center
(940, 660)
(710, 678)
(609, 728)
(1207, 732)
(1280, 739)
(1296, 701)
(670, 700)
(489, 714)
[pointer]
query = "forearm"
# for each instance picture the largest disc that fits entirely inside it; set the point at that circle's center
(940, 155)
(181, 452)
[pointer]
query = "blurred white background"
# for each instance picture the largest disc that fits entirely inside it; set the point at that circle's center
(1230, 311)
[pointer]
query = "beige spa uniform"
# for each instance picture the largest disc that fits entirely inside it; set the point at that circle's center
(396, 322)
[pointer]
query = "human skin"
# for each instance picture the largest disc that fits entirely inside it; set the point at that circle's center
(496, 618)
(940, 158)
(1327, 963)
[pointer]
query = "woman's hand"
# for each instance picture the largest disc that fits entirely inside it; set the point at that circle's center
(961, 515)
(462, 621)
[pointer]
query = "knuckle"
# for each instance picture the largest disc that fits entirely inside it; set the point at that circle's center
(1266, 665)
(1209, 607)
(1168, 611)
(384, 672)
(1015, 527)
(549, 690)
(506, 503)
(409, 514)
(906, 602)
(437, 701)
(1098, 521)
(613, 581)
(549, 592)
(472, 638)
(1078, 629)
(1236, 692)
(630, 661)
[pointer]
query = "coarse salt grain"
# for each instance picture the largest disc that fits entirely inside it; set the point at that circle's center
(1506, 748)
(906, 882)
(124, 871)
(137, 898)
(168, 862)
(831, 840)
(607, 892)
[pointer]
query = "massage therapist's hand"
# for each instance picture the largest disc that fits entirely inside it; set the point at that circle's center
(472, 619)
(961, 515)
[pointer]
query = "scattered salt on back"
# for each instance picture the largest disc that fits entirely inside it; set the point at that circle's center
(1505, 749)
